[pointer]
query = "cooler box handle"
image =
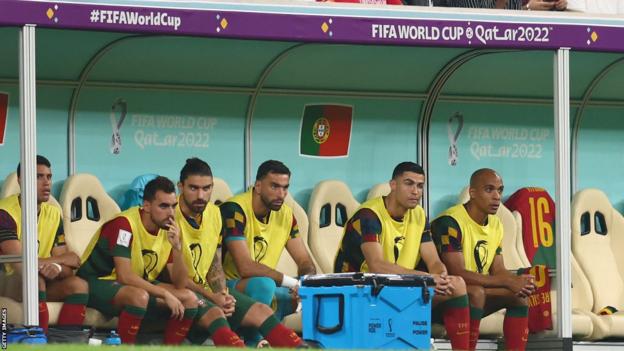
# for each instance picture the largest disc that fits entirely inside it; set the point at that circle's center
(426, 296)
(337, 327)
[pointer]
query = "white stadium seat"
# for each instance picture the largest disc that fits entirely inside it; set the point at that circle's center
(85, 206)
(220, 191)
(597, 230)
(331, 205)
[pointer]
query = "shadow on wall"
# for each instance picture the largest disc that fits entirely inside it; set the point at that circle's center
(303, 198)
(57, 187)
(361, 196)
(117, 193)
(445, 202)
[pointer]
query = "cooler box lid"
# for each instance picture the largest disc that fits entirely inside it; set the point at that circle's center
(374, 279)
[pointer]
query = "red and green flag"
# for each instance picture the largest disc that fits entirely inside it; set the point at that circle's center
(4, 112)
(325, 130)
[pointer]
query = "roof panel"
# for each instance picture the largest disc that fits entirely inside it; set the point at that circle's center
(523, 74)
(63, 54)
(186, 60)
(586, 66)
(361, 68)
(9, 37)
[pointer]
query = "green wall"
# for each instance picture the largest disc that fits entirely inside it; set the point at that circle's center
(383, 133)
(190, 97)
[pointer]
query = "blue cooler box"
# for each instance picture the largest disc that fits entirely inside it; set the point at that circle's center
(367, 311)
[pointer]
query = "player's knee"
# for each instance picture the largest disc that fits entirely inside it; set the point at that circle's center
(261, 310)
(261, 289)
(459, 286)
(211, 315)
(476, 295)
(257, 314)
(188, 298)
(75, 285)
(135, 297)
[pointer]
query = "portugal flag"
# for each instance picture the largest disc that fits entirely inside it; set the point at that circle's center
(325, 130)
(4, 109)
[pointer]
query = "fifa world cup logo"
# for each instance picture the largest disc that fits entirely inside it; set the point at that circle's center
(196, 255)
(480, 255)
(150, 261)
(260, 248)
(121, 106)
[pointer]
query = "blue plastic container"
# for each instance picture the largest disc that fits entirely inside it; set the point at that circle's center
(367, 311)
(26, 335)
(112, 339)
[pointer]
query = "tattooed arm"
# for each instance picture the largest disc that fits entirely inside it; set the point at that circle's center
(215, 276)
(215, 289)
(216, 281)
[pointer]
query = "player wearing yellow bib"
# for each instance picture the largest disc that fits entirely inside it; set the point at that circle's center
(470, 236)
(390, 234)
(257, 227)
(200, 227)
(57, 281)
(128, 254)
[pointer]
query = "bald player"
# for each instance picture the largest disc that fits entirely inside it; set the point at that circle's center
(470, 238)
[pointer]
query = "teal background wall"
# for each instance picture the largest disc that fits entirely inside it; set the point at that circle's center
(383, 133)
(515, 140)
(51, 132)
(600, 157)
(10, 151)
(201, 88)
(161, 130)
(600, 161)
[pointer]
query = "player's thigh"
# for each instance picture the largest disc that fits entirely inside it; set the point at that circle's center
(187, 297)
(59, 290)
(109, 297)
(11, 285)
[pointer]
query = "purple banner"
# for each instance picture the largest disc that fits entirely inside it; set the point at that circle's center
(312, 28)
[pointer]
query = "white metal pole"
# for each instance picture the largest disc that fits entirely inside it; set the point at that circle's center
(28, 139)
(562, 194)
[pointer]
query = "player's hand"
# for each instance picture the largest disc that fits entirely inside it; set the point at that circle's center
(49, 271)
(294, 292)
(230, 305)
(225, 301)
(529, 285)
(175, 306)
(443, 284)
(173, 234)
(296, 299)
(522, 285)
(540, 5)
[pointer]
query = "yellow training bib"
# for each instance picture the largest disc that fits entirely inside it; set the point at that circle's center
(47, 224)
(265, 241)
(400, 240)
(199, 245)
(479, 243)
